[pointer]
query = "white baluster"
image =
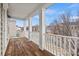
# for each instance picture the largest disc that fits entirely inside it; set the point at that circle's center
(75, 47)
(60, 45)
(69, 46)
(65, 46)
(46, 42)
(54, 44)
(51, 43)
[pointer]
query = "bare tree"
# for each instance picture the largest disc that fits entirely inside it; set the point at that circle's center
(54, 27)
(77, 23)
(66, 24)
(62, 28)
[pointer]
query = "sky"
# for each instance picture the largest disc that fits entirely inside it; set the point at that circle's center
(52, 13)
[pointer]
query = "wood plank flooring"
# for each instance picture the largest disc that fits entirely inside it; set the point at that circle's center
(24, 47)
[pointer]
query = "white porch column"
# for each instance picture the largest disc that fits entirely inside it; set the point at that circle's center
(24, 28)
(4, 28)
(5, 6)
(41, 27)
(6, 24)
(30, 27)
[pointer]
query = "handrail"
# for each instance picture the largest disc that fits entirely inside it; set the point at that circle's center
(60, 35)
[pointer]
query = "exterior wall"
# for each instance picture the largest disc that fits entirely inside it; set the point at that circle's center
(74, 30)
(0, 29)
(12, 27)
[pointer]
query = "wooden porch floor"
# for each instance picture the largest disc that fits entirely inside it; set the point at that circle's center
(24, 47)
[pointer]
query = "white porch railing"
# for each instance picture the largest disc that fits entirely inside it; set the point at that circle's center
(35, 37)
(57, 44)
(61, 45)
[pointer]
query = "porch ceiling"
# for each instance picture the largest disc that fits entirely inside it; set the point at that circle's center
(23, 10)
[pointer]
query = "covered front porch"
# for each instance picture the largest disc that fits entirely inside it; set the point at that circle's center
(32, 43)
(12, 11)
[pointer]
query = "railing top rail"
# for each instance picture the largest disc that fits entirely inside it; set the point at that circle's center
(61, 35)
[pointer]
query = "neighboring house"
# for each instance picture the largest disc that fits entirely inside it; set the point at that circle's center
(19, 31)
(74, 29)
(56, 29)
(59, 29)
(34, 28)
